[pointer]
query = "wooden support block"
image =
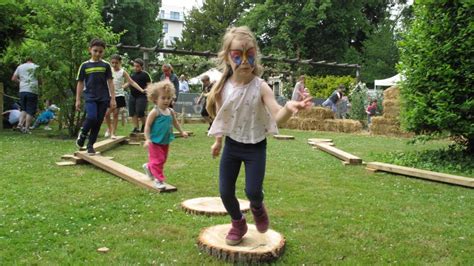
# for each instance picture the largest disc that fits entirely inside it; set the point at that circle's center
(123, 171)
(67, 156)
(314, 143)
(319, 140)
(177, 135)
(108, 144)
(134, 143)
(137, 137)
(255, 247)
(210, 206)
(371, 169)
(424, 174)
(283, 137)
(67, 163)
(347, 157)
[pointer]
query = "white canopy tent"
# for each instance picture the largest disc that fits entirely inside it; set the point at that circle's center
(387, 82)
(213, 74)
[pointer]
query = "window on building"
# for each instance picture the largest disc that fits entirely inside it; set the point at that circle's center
(165, 27)
(162, 13)
(174, 15)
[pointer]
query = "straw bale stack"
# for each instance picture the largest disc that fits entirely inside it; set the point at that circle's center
(320, 113)
(389, 123)
(392, 93)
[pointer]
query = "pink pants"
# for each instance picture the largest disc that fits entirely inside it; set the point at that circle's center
(157, 155)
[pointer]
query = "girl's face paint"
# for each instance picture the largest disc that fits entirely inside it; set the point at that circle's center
(241, 56)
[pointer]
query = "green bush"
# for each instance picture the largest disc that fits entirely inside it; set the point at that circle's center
(360, 99)
(437, 61)
(323, 87)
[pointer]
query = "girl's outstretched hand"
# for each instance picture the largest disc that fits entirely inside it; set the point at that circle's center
(146, 144)
(216, 149)
(295, 106)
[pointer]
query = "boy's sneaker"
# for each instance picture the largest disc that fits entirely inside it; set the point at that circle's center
(159, 184)
(47, 128)
(81, 139)
(90, 150)
(148, 172)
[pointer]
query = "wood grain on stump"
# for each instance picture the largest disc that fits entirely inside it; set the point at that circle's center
(210, 206)
(254, 248)
(283, 137)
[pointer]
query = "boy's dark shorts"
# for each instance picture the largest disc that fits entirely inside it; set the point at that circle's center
(120, 100)
(137, 106)
(29, 102)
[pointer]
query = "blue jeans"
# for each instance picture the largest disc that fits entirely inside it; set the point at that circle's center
(254, 158)
(330, 104)
(95, 113)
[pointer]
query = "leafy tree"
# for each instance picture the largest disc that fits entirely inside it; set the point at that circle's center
(204, 27)
(58, 34)
(321, 29)
(137, 20)
(437, 60)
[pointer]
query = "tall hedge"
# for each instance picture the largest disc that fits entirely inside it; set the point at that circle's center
(323, 87)
(437, 59)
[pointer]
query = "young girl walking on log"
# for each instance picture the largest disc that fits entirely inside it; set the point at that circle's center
(245, 112)
(159, 130)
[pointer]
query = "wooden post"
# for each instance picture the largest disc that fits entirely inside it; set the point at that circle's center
(1, 103)
(145, 58)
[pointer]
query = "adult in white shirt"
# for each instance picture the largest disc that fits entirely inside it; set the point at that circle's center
(183, 84)
(25, 76)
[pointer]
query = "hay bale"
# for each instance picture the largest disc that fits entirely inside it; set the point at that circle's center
(351, 126)
(292, 123)
(390, 104)
(316, 113)
(391, 93)
(330, 125)
(311, 124)
(380, 120)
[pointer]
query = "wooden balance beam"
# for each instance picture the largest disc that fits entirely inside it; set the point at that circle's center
(108, 144)
(346, 157)
(424, 174)
(122, 171)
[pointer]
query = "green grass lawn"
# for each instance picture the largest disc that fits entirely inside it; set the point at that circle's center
(328, 213)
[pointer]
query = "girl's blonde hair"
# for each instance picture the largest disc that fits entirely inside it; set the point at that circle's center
(154, 90)
(239, 33)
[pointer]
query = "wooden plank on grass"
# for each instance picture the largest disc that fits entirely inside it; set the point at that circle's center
(122, 171)
(108, 144)
(314, 143)
(283, 137)
(345, 156)
(424, 174)
(67, 163)
(319, 140)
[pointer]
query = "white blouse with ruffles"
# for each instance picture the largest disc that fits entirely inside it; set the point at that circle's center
(243, 116)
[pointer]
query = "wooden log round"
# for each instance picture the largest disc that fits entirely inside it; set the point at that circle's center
(283, 137)
(254, 248)
(210, 206)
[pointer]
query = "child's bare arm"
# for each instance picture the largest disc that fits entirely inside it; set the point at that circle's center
(131, 82)
(178, 126)
(149, 120)
(79, 89)
(113, 104)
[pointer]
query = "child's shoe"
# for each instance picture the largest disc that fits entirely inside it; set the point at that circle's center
(81, 139)
(113, 136)
(47, 128)
(107, 134)
(91, 150)
(261, 218)
(148, 172)
(237, 232)
(159, 184)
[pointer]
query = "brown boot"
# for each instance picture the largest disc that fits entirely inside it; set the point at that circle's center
(261, 218)
(238, 230)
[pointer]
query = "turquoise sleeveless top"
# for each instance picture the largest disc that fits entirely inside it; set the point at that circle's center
(162, 129)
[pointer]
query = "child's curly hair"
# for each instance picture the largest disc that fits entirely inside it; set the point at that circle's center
(154, 90)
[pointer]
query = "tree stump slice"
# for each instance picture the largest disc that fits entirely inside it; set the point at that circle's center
(210, 206)
(283, 137)
(254, 248)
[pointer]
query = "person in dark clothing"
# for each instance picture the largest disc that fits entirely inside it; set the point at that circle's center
(137, 103)
(168, 74)
(334, 98)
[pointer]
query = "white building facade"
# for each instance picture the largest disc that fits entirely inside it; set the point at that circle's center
(172, 18)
